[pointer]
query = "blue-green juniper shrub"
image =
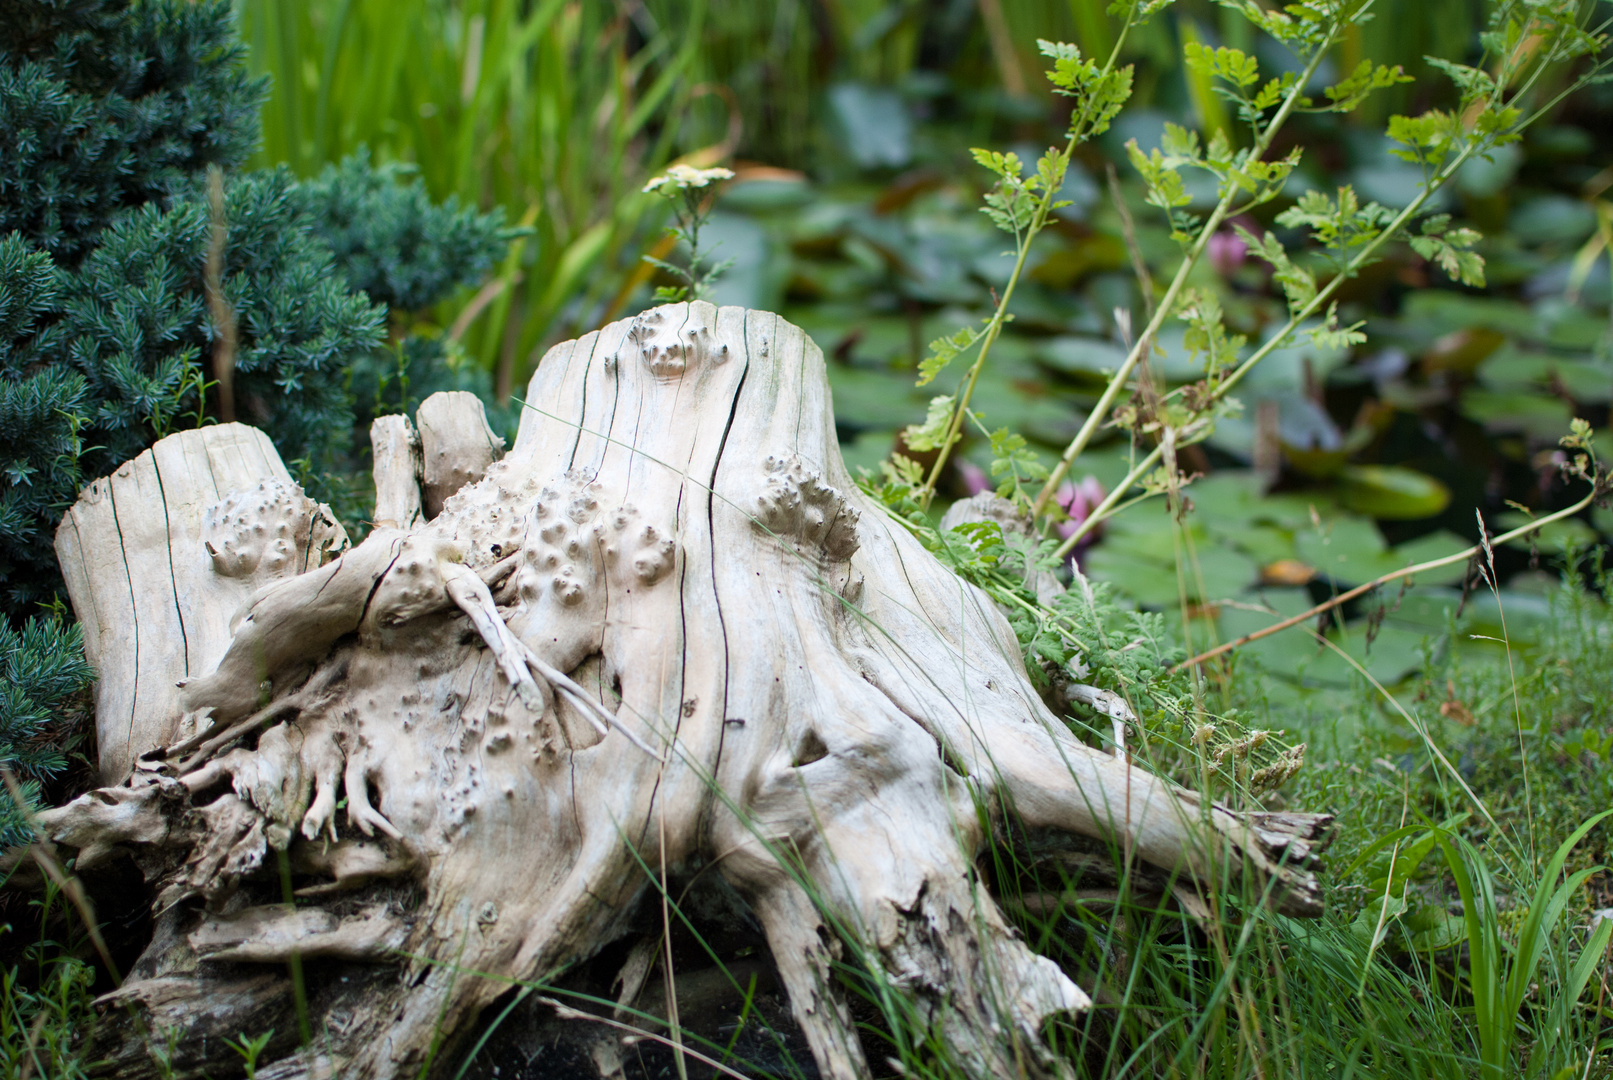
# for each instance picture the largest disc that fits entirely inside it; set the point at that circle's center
(115, 112)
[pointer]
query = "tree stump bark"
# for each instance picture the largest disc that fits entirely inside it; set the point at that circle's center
(157, 558)
(666, 633)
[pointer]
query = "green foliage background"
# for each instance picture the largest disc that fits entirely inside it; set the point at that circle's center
(116, 111)
(855, 214)
(375, 154)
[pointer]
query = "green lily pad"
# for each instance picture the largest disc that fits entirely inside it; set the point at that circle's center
(765, 195)
(1218, 573)
(1441, 310)
(1147, 530)
(1025, 408)
(1576, 328)
(1232, 498)
(1346, 550)
(1286, 651)
(1141, 552)
(1264, 543)
(1296, 653)
(1488, 175)
(1394, 654)
(1535, 415)
(1392, 492)
(1436, 545)
(1074, 355)
(1513, 370)
(874, 124)
(867, 450)
(1149, 581)
(868, 398)
(1553, 219)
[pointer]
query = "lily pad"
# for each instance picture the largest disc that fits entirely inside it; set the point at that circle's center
(1151, 582)
(880, 400)
(1442, 310)
(1436, 545)
(874, 124)
(1536, 415)
(767, 194)
(1392, 492)
(1346, 550)
(866, 450)
(1513, 370)
(1081, 355)
(1486, 176)
(1287, 651)
(1266, 544)
(1393, 654)
(1553, 219)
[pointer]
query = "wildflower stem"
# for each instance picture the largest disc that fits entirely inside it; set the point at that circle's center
(1410, 571)
(1078, 134)
(1274, 342)
(1145, 340)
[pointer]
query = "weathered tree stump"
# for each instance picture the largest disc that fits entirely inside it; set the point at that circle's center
(157, 558)
(665, 633)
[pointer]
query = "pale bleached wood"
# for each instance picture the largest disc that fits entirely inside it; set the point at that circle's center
(154, 598)
(456, 445)
(665, 633)
(395, 450)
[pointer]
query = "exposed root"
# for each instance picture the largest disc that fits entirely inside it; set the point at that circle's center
(276, 934)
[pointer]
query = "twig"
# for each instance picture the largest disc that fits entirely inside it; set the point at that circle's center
(566, 1012)
(595, 713)
(1360, 590)
(223, 315)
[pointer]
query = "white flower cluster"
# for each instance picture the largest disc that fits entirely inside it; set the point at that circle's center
(683, 177)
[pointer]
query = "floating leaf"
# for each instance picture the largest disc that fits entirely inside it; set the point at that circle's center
(1553, 219)
(1532, 414)
(1392, 492)
(874, 123)
(1461, 351)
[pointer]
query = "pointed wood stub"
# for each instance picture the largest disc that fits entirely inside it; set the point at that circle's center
(456, 445)
(160, 555)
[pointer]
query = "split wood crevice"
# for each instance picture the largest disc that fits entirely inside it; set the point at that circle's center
(664, 633)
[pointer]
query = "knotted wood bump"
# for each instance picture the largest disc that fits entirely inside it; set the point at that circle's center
(796, 503)
(647, 552)
(270, 528)
(669, 349)
(570, 530)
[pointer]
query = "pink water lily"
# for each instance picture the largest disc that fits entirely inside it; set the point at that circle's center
(1227, 252)
(1078, 501)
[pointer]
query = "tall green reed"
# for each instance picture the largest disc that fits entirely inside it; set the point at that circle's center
(556, 111)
